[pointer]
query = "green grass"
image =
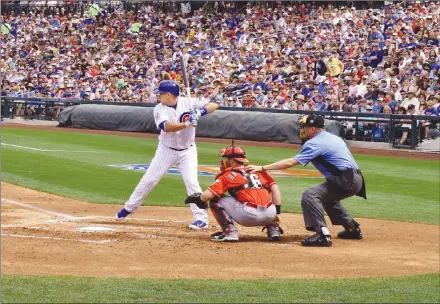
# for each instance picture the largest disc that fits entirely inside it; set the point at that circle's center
(64, 289)
(398, 189)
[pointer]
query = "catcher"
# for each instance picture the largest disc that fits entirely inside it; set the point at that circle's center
(254, 200)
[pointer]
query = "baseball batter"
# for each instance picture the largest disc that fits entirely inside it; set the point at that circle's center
(176, 118)
(254, 200)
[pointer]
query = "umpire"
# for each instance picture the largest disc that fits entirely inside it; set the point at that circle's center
(330, 155)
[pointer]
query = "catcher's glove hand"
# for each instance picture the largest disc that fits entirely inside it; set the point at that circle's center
(195, 199)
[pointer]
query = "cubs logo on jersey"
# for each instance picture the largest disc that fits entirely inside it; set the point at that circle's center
(185, 116)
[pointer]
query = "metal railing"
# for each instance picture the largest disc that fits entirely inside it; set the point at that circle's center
(373, 127)
(48, 108)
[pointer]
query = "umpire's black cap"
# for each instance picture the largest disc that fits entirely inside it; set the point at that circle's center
(312, 121)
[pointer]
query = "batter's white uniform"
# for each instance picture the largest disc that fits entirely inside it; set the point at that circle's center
(175, 149)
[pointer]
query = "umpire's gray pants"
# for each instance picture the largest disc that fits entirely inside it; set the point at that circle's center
(327, 196)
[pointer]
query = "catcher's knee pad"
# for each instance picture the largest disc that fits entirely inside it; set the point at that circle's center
(222, 218)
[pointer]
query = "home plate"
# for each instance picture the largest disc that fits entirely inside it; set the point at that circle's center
(93, 229)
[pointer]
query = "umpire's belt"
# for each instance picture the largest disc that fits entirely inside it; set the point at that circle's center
(357, 171)
(179, 149)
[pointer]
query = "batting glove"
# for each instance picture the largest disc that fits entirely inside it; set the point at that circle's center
(200, 112)
(197, 113)
(193, 119)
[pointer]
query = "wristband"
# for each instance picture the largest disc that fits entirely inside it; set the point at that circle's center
(278, 207)
(203, 111)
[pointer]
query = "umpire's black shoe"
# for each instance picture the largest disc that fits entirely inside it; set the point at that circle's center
(320, 239)
(351, 231)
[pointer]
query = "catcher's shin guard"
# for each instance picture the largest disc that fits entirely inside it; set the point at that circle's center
(222, 218)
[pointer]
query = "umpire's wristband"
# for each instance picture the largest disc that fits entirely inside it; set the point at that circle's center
(278, 207)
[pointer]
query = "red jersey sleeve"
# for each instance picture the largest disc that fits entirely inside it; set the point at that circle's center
(226, 181)
(218, 188)
(266, 180)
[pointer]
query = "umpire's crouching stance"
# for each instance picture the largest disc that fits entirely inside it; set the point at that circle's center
(330, 155)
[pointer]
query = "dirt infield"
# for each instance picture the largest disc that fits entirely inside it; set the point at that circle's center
(47, 234)
(379, 152)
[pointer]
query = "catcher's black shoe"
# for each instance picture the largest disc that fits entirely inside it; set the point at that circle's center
(351, 231)
(320, 239)
(273, 232)
(225, 236)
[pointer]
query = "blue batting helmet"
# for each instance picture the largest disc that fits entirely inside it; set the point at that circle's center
(168, 86)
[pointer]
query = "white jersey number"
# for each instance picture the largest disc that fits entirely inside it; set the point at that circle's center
(255, 180)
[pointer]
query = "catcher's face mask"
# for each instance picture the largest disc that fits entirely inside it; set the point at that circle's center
(223, 161)
(302, 132)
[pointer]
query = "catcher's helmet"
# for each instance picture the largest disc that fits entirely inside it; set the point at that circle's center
(234, 152)
(168, 86)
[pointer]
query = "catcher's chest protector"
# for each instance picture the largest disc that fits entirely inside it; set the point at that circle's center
(249, 185)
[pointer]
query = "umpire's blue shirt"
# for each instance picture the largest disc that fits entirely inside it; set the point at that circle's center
(328, 148)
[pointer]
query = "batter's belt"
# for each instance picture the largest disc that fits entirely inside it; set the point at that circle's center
(178, 150)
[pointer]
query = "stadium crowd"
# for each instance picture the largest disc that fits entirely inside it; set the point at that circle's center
(286, 56)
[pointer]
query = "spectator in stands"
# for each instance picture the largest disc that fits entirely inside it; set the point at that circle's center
(410, 99)
(436, 100)
(404, 128)
(119, 55)
(429, 111)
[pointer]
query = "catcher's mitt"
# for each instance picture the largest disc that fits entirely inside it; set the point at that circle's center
(195, 199)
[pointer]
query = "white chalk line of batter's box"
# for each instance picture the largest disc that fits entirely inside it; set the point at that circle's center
(294, 244)
(57, 238)
(127, 219)
(99, 217)
(47, 211)
(72, 218)
(47, 150)
(156, 236)
(11, 226)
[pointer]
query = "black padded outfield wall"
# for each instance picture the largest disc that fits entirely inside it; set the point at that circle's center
(258, 126)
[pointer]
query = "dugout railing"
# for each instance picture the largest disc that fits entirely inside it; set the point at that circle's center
(403, 131)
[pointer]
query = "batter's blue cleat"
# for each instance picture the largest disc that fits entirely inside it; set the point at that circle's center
(198, 225)
(122, 214)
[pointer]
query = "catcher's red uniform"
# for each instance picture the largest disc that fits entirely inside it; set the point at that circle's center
(243, 186)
